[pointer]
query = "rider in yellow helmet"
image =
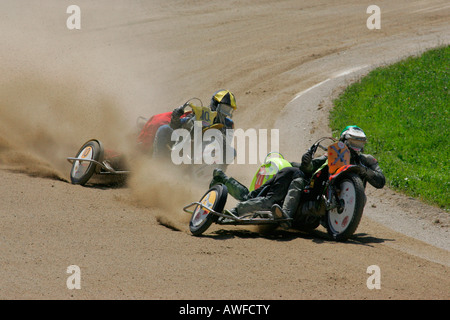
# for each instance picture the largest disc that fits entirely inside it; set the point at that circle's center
(223, 102)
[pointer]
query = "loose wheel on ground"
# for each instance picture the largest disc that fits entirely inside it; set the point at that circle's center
(82, 171)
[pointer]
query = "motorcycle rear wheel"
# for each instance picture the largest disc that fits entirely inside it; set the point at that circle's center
(341, 226)
(201, 219)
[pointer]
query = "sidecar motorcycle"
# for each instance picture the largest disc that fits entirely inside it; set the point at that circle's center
(334, 198)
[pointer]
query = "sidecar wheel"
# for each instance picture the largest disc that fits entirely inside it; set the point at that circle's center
(82, 171)
(215, 198)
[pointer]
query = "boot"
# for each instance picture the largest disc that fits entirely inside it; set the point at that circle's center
(219, 177)
(236, 189)
(278, 213)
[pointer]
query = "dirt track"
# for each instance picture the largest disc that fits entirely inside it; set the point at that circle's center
(61, 87)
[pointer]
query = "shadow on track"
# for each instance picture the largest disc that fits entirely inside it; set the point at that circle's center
(316, 236)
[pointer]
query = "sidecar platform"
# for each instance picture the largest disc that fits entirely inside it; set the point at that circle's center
(104, 166)
(254, 218)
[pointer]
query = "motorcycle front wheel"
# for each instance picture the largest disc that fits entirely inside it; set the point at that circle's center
(202, 218)
(341, 224)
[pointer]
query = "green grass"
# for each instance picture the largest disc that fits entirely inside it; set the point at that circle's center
(404, 111)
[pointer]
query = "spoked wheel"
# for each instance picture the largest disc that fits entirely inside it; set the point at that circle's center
(82, 171)
(202, 218)
(342, 225)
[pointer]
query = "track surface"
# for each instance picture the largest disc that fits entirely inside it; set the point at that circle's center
(61, 87)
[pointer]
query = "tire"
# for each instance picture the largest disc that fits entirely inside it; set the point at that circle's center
(341, 226)
(82, 171)
(215, 198)
(306, 223)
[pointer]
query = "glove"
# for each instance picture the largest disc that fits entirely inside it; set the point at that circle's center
(366, 172)
(175, 118)
(307, 158)
(179, 111)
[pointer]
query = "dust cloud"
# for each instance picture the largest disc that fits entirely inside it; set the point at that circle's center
(166, 188)
(43, 121)
(59, 89)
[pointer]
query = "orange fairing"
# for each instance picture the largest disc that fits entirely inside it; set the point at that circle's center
(340, 170)
(338, 156)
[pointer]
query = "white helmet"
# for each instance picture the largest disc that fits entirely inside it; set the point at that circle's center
(354, 137)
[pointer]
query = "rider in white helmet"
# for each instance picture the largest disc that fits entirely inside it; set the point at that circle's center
(355, 139)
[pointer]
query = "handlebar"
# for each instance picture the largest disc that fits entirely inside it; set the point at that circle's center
(188, 103)
(317, 144)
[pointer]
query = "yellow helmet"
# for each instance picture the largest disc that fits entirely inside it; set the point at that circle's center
(223, 101)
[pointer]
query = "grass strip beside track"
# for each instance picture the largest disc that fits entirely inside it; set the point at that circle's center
(404, 110)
